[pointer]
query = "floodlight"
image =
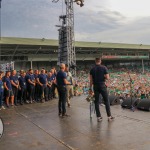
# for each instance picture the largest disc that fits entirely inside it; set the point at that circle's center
(79, 2)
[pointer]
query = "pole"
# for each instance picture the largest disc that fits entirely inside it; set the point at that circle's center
(143, 66)
(0, 28)
(31, 64)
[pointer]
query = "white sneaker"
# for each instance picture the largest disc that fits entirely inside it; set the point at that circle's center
(3, 107)
(111, 118)
(99, 119)
(102, 104)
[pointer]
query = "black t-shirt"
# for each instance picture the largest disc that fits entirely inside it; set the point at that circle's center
(60, 78)
(98, 72)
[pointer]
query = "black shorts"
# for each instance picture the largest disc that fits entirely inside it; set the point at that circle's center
(9, 93)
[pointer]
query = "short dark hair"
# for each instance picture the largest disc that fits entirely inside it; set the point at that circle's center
(30, 69)
(97, 59)
(7, 72)
(66, 65)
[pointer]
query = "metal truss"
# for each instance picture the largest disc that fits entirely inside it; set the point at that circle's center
(66, 50)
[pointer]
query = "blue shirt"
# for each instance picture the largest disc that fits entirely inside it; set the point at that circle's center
(8, 83)
(60, 78)
(1, 86)
(22, 82)
(26, 77)
(31, 77)
(98, 73)
(42, 78)
(49, 79)
(14, 79)
(36, 76)
(53, 77)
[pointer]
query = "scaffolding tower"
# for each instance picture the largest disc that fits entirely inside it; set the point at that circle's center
(66, 49)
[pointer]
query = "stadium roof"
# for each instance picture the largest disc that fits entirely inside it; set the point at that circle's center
(26, 49)
(50, 42)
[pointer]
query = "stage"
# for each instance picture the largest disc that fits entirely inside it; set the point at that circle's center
(38, 127)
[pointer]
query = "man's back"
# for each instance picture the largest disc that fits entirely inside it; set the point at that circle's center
(98, 73)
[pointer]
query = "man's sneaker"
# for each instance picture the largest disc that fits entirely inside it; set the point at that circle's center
(3, 107)
(65, 115)
(111, 118)
(69, 105)
(99, 119)
(102, 104)
(59, 114)
(42, 101)
(7, 106)
(27, 102)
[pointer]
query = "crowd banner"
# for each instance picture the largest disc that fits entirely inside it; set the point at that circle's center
(7, 66)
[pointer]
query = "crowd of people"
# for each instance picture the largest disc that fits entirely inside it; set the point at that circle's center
(24, 87)
(123, 82)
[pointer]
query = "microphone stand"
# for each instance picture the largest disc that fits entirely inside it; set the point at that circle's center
(131, 93)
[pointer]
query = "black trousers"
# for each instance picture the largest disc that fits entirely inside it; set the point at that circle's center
(23, 93)
(15, 92)
(49, 91)
(53, 90)
(62, 92)
(43, 90)
(101, 89)
(37, 92)
(31, 89)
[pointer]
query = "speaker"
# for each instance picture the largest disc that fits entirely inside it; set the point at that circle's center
(114, 100)
(127, 103)
(144, 104)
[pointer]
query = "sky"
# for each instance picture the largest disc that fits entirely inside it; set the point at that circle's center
(114, 21)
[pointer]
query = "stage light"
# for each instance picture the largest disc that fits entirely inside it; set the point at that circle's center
(79, 2)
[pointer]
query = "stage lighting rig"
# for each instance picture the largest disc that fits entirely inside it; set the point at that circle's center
(79, 2)
(66, 49)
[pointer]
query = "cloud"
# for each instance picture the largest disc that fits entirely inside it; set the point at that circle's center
(93, 22)
(136, 31)
(29, 18)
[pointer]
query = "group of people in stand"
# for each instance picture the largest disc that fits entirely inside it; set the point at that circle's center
(29, 87)
(123, 82)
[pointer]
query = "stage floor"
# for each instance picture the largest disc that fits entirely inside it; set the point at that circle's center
(38, 127)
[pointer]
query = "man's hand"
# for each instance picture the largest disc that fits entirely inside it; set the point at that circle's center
(90, 92)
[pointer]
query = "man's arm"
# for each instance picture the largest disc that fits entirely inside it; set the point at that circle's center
(106, 76)
(14, 84)
(91, 82)
(38, 81)
(66, 82)
(31, 82)
(5, 86)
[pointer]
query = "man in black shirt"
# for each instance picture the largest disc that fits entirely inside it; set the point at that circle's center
(62, 91)
(98, 75)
